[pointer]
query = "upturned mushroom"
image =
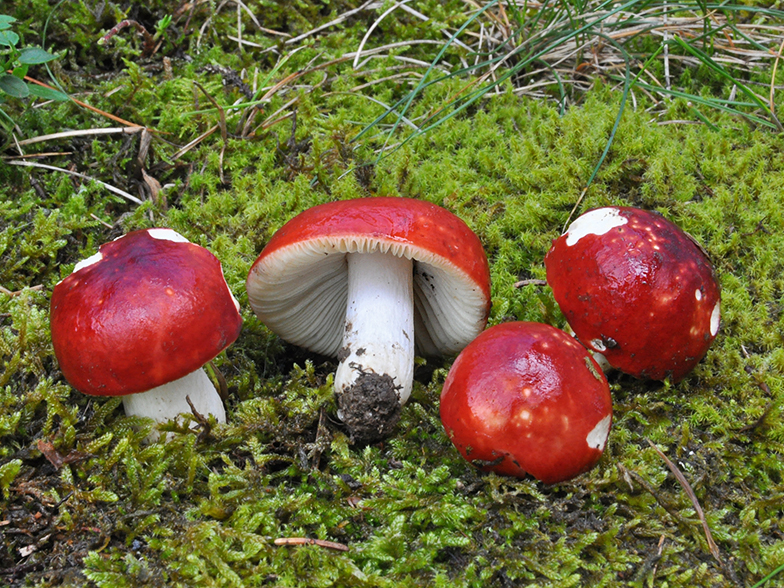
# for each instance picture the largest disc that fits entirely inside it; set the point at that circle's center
(526, 398)
(140, 318)
(637, 289)
(373, 281)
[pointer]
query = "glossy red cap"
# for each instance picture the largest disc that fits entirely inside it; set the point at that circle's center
(637, 289)
(526, 398)
(302, 272)
(147, 309)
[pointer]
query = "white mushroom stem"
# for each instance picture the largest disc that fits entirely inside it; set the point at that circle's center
(598, 356)
(168, 401)
(379, 329)
(601, 360)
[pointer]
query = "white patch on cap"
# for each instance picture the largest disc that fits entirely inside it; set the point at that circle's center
(698, 294)
(598, 345)
(598, 435)
(95, 258)
(715, 319)
(167, 235)
(594, 222)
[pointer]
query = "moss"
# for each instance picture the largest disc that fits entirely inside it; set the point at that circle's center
(206, 508)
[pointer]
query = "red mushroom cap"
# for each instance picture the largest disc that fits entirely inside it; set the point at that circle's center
(637, 289)
(526, 398)
(147, 309)
(297, 286)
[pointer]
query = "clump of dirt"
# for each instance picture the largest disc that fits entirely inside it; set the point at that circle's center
(370, 409)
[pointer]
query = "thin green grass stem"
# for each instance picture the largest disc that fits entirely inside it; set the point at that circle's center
(708, 61)
(624, 97)
(432, 66)
(472, 97)
(718, 105)
(770, 576)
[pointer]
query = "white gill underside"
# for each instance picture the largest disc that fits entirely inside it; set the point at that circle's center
(379, 328)
(168, 401)
(301, 293)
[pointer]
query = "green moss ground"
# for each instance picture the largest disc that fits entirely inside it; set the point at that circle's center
(101, 508)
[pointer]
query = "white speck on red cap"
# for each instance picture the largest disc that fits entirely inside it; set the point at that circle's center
(94, 258)
(598, 435)
(598, 345)
(715, 319)
(167, 235)
(594, 222)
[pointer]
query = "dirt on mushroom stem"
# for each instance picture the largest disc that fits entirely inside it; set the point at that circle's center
(370, 408)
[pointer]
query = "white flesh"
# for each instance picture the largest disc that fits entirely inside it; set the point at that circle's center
(379, 327)
(168, 401)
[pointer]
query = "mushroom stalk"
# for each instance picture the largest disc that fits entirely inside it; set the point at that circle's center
(376, 368)
(168, 401)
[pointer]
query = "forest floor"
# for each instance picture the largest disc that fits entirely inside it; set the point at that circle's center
(224, 120)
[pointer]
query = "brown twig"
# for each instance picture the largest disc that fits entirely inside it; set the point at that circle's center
(658, 555)
(323, 437)
(714, 549)
(38, 155)
(574, 209)
(82, 133)
(629, 474)
(183, 150)
(148, 48)
(288, 541)
(223, 387)
(759, 421)
(100, 220)
(765, 389)
(11, 293)
(221, 125)
(651, 564)
(531, 282)
(759, 228)
(203, 421)
(109, 187)
(85, 105)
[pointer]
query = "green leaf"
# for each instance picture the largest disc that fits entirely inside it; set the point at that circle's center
(5, 21)
(8, 38)
(35, 56)
(46, 93)
(13, 86)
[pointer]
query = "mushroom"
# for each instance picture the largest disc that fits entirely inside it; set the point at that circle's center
(371, 281)
(637, 289)
(140, 318)
(526, 398)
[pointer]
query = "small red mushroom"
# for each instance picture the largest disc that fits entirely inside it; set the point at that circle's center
(140, 318)
(637, 289)
(526, 398)
(370, 281)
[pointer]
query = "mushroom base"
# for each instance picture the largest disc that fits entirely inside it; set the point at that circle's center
(168, 401)
(370, 408)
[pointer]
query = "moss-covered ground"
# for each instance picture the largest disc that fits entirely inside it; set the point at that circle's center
(85, 501)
